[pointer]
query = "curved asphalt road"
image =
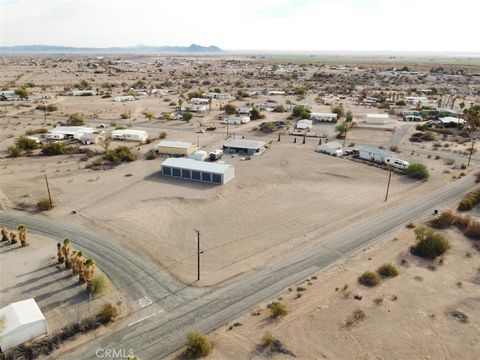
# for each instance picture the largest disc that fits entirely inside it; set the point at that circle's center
(205, 309)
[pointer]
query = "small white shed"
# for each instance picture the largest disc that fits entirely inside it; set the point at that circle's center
(333, 148)
(377, 118)
(23, 321)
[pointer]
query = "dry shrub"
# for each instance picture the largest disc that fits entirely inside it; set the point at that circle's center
(473, 230)
(354, 318)
(278, 310)
(369, 278)
(44, 205)
(387, 270)
(469, 201)
(108, 313)
(444, 220)
(198, 345)
(429, 243)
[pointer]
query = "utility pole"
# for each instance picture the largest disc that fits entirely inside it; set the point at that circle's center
(198, 254)
(471, 152)
(388, 185)
(48, 189)
(227, 128)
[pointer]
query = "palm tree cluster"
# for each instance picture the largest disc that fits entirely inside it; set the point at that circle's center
(75, 261)
(10, 237)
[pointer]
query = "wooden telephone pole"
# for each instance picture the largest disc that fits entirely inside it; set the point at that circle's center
(198, 254)
(388, 185)
(48, 189)
(471, 152)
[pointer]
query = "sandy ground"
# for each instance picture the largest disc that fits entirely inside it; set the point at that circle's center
(412, 321)
(31, 272)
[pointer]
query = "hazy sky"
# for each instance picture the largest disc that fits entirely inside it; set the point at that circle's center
(365, 25)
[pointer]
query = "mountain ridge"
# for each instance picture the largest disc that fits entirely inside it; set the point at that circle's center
(52, 49)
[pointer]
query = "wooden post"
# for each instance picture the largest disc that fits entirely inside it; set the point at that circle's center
(388, 185)
(48, 189)
(198, 255)
(471, 152)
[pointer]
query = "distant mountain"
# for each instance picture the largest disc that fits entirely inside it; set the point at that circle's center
(49, 49)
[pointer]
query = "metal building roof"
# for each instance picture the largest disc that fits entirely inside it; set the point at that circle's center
(245, 144)
(376, 150)
(190, 164)
(174, 144)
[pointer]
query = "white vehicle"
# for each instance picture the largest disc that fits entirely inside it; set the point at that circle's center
(397, 163)
(200, 131)
(215, 154)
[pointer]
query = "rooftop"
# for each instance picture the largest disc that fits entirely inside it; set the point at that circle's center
(174, 144)
(190, 164)
(376, 150)
(378, 115)
(21, 313)
(245, 144)
(129, 131)
(72, 129)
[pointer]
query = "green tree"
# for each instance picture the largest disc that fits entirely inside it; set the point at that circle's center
(149, 115)
(14, 151)
(187, 116)
(348, 116)
(53, 149)
(255, 114)
(120, 154)
(267, 127)
(22, 93)
(230, 109)
(429, 243)
(417, 171)
(198, 345)
(76, 119)
(26, 144)
(339, 110)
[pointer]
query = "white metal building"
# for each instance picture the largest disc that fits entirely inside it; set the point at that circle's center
(333, 148)
(24, 321)
(190, 169)
(68, 132)
(199, 101)
(247, 147)
(324, 117)
(82, 93)
(376, 118)
(123, 98)
(130, 135)
(304, 124)
(238, 120)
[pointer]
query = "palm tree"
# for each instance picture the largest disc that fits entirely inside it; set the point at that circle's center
(60, 256)
(22, 235)
(89, 272)
(13, 237)
(5, 234)
(73, 262)
(81, 273)
(66, 253)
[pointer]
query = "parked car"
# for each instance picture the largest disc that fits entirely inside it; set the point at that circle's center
(215, 154)
(200, 131)
(102, 126)
(211, 128)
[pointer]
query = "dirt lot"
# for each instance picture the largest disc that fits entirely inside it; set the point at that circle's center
(32, 272)
(412, 319)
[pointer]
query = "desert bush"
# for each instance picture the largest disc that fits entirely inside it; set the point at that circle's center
(230, 109)
(267, 127)
(24, 143)
(354, 318)
(124, 115)
(268, 339)
(278, 309)
(14, 151)
(53, 149)
(150, 155)
(120, 154)
(44, 204)
(279, 109)
(429, 136)
(394, 148)
(444, 220)
(369, 278)
(36, 131)
(76, 119)
(162, 135)
(99, 285)
(417, 171)
(187, 116)
(108, 313)
(255, 114)
(429, 243)
(198, 345)
(387, 270)
(473, 230)
(469, 201)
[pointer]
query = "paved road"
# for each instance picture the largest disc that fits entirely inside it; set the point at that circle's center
(204, 310)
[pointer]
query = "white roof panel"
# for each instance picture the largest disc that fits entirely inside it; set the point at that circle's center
(190, 164)
(245, 144)
(20, 313)
(174, 144)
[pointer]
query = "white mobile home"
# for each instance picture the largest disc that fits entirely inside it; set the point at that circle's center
(199, 101)
(450, 120)
(219, 96)
(130, 135)
(375, 154)
(190, 169)
(194, 107)
(237, 120)
(243, 110)
(376, 118)
(23, 321)
(9, 95)
(323, 117)
(82, 93)
(276, 92)
(333, 148)
(123, 98)
(68, 132)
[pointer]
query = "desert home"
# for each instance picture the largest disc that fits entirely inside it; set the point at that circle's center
(175, 148)
(195, 170)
